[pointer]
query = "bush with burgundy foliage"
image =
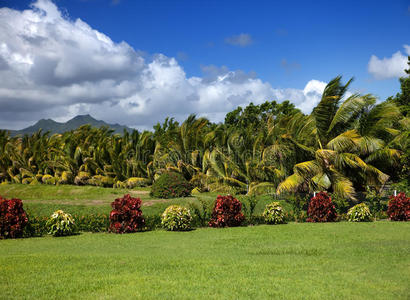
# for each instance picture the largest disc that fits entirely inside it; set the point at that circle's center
(321, 209)
(226, 212)
(13, 218)
(399, 208)
(126, 215)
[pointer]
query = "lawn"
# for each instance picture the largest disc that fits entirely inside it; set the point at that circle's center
(293, 261)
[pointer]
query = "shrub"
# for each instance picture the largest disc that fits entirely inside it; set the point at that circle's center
(321, 209)
(176, 218)
(102, 181)
(93, 223)
(66, 177)
(36, 226)
(133, 182)
(201, 211)
(171, 185)
(359, 213)
(274, 213)
(48, 179)
(13, 218)
(126, 215)
(61, 224)
(226, 212)
(399, 208)
(82, 178)
(375, 200)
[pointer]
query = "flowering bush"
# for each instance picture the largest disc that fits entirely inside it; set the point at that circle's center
(274, 213)
(359, 213)
(171, 185)
(126, 215)
(176, 218)
(13, 218)
(399, 208)
(321, 209)
(60, 224)
(226, 212)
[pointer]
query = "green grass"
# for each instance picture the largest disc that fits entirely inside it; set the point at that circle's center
(293, 261)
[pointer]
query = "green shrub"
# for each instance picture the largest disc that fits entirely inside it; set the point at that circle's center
(66, 178)
(48, 179)
(375, 200)
(171, 185)
(61, 224)
(274, 213)
(92, 223)
(176, 218)
(119, 185)
(82, 178)
(36, 226)
(102, 181)
(359, 213)
(201, 212)
(133, 182)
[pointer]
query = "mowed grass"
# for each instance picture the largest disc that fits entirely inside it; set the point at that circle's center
(43, 200)
(292, 261)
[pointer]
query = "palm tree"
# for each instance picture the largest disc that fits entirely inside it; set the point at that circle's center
(339, 144)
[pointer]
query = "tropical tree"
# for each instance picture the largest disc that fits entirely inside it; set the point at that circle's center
(343, 134)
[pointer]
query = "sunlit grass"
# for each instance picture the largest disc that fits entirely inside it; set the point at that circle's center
(293, 261)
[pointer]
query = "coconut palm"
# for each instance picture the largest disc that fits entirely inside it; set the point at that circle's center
(341, 139)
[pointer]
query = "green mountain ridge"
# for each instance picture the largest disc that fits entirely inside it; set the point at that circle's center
(57, 127)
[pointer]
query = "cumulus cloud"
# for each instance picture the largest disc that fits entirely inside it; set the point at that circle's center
(54, 67)
(389, 67)
(241, 40)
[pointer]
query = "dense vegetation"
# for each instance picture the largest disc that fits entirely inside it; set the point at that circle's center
(345, 146)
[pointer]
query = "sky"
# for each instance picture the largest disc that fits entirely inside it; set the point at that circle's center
(137, 62)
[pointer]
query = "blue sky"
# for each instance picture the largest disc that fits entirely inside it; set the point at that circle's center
(284, 44)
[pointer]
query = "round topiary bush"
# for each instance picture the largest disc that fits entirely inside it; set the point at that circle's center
(61, 224)
(126, 215)
(171, 185)
(226, 212)
(399, 208)
(13, 218)
(359, 213)
(321, 209)
(176, 218)
(274, 213)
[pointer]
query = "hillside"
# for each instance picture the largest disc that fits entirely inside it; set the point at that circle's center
(57, 127)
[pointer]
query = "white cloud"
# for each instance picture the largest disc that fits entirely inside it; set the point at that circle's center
(241, 40)
(53, 67)
(389, 67)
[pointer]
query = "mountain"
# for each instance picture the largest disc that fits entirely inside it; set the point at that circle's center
(57, 127)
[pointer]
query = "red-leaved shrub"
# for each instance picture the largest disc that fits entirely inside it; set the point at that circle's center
(399, 208)
(321, 209)
(126, 215)
(13, 218)
(226, 212)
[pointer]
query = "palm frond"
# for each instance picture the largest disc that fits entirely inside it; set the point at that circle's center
(290, 184)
